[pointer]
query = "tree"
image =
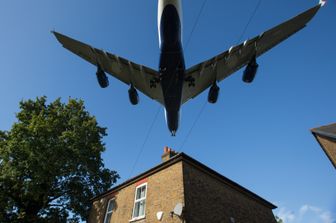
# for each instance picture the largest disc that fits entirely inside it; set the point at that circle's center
(50, 163)
(278, 220)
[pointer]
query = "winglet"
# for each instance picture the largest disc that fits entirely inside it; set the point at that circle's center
(60, 37)
(323, 2)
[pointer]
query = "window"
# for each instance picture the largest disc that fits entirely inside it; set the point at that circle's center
(109, 210)
(140, 201)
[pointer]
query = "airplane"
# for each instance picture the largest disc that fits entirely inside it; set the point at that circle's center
(172, 84)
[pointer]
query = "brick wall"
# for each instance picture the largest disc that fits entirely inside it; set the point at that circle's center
(207, 199)
(164, 191)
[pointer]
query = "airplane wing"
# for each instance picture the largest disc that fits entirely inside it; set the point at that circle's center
(142, 78)
(225, 64)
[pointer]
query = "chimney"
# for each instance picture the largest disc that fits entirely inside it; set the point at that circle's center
(167, 154)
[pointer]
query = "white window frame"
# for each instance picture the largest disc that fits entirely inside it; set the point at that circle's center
(139, 200)
(107, 212)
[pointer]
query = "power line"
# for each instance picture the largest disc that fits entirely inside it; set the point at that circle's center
(193, 125)
(156, 115)
(205, 103)
(195, 24)
(249, 21)
(144, 142)
(187, 44)
(149, 132)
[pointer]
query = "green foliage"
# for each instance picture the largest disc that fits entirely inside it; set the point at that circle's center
(50, 163)
(279, 220)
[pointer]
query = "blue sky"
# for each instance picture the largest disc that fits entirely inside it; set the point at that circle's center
(257, 135)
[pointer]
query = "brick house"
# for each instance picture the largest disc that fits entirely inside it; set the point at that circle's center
(326, 137)
(206, 196)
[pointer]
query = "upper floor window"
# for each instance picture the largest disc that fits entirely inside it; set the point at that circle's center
(109, 210)
(140, 201)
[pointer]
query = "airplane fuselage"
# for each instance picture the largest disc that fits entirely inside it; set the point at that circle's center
(171, 65)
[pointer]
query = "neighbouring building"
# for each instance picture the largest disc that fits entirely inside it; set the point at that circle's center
(180, 184)
(326, 137)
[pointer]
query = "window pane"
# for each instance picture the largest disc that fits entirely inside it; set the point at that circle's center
(108, 218)
(110, 206)
(136, 209)
(142, 208)
(138, 193)
(143, 191)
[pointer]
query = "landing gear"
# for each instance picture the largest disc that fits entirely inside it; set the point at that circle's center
(154, 82)
(191, 81)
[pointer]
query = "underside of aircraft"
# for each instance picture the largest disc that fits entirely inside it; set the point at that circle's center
(172, 84)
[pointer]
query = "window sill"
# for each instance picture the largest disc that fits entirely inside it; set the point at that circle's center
(137, 219)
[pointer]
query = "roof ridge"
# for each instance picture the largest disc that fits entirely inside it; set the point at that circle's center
(181, 156)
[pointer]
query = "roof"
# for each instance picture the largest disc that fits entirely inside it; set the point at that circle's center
(328, 131)
(185, 158)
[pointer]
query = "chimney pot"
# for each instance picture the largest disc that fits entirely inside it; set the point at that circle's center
(167, 153)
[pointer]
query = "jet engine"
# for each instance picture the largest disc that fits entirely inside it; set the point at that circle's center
(133, 95)
(213, 93)
(102, 78)
(250, 70)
